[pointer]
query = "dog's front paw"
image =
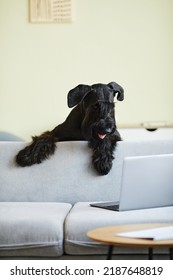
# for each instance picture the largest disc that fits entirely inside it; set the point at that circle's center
(103, 165)
(24, 157)
(40, 149)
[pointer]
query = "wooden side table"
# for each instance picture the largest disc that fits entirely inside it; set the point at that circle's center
(108, 235)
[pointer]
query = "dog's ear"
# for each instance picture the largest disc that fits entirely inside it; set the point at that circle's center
(76, 94)
(117, 88)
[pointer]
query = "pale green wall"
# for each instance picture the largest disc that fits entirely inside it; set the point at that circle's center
(129, 41)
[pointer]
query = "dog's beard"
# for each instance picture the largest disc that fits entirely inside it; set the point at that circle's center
(94, 132)
(102, 130)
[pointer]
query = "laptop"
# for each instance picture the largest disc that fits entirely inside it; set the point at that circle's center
(147, 182)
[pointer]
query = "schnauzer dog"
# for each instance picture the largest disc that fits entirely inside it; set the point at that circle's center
(92, 119)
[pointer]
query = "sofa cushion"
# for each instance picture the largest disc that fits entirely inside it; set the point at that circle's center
(32, 229)
(83, 218)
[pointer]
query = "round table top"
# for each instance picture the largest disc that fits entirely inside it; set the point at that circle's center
(108, 235)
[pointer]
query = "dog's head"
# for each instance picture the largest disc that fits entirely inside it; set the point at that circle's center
(97, 105)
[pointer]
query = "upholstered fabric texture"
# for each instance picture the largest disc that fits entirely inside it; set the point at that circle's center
(83, 218)
(68, 175)
(37, 226)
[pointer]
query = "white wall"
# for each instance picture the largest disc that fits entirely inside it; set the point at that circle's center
(128, 41)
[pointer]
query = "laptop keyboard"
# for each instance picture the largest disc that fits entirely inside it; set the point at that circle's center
(112, 207)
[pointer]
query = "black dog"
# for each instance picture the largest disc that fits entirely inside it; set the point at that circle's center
(92, 120)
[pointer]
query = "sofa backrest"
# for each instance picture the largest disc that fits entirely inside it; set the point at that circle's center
(68, 176)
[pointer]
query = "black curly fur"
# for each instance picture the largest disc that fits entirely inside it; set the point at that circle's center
(103, 153)
(40, 149)
(91, 120)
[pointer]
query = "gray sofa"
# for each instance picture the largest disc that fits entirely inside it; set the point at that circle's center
(44, 209)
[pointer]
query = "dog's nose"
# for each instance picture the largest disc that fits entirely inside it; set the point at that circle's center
(108, 130)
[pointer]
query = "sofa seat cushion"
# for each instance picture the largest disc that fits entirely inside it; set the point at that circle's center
(32, 229)
(83, 218)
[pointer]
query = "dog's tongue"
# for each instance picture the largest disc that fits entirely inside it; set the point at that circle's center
(101, 136)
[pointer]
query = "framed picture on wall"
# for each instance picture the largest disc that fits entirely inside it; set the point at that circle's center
(50, 11)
